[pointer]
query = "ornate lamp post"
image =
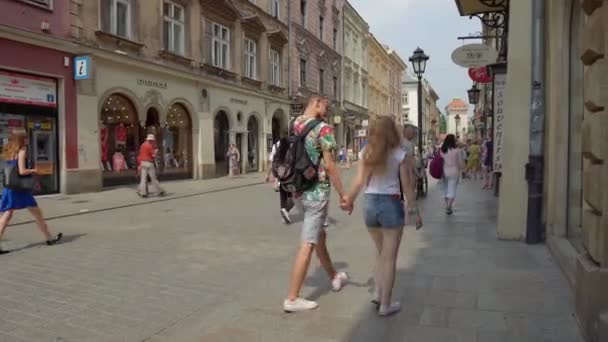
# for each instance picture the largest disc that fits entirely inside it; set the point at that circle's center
(418, 61)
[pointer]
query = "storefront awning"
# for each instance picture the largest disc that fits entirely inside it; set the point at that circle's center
(471, 7)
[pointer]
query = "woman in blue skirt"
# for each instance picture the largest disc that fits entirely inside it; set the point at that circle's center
(15, 152)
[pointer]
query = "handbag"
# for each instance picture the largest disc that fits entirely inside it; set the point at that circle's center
(14, 181)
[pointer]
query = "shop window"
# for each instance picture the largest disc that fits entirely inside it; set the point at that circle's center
(173, 27)
(176, 158)
(250, 58)
(116, 17)
(275, 68)
(220, 53)
(119, 138)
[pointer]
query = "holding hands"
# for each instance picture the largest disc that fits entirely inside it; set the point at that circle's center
(347, 204)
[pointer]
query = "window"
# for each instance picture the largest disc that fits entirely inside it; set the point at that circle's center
(303, 12)
(220, 53)
(405, 98)
(275, 68)
(250, 58)
(275, 10)
(321, 22)
(41, 3)
(302, 73)
(173, 27)
(335, 39)
(335, 87)
(117, 18)
(321, 81)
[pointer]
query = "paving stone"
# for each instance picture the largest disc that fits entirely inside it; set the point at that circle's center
(422, 334)
(477, 319)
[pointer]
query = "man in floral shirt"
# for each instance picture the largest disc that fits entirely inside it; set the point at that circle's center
(320, 146)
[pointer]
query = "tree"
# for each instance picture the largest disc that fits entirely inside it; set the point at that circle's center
(443, 124)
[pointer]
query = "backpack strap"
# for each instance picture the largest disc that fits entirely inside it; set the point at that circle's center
(309, 127)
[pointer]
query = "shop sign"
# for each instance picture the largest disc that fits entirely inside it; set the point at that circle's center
(337, 120)
(474, 55)
(26, 89)
(480, 75)
(361, 133)
(365, 123)
(82, 67)
(151, 83)
(238, 101)
(500, 81)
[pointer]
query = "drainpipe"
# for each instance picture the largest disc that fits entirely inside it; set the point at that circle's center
(289, 51)
(535, 229)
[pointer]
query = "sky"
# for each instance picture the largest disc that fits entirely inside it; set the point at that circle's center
(434, 25)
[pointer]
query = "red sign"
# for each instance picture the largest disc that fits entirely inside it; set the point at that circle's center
(26, 89)
(480, 75)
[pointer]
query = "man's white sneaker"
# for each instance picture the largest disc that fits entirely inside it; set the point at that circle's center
(389, 310)
(300, 304)
(285, 216)
(338, 282)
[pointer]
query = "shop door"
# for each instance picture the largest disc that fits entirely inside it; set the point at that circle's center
(252, 145)
(221, 141)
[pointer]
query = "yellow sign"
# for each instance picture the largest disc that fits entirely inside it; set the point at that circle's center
(44, 168)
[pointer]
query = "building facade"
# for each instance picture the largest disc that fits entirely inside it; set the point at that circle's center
(354, 78)
(38, 91)
(430, 110)
(397, 68)
(379, 84)
(315, 47)
(574, 174)
(199, 75)
(457, 118)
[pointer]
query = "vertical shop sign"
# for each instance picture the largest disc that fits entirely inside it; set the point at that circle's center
(500, 81)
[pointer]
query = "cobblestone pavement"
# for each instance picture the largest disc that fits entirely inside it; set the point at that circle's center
(214, 267)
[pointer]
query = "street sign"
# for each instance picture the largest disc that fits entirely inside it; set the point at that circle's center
(480, 75)
(474, 55)
(82, 67)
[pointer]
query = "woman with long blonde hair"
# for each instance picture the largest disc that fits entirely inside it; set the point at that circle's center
(15, 153)
(383, 171)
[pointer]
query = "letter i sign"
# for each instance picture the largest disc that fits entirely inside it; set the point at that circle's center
(82, 67)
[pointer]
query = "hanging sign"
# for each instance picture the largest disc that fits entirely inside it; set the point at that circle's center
(480, 75)
(82, 67)
(499, 119)
(26, 89)
(474, 55)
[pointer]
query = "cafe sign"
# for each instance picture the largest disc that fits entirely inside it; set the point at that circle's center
(474, 55)
(480, 75)
(27, 89)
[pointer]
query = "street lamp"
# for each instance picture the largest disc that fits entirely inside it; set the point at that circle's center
(418, 61)
(474, 94)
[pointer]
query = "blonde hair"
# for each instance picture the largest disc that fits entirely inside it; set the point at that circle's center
(16, 141)
(383, 137)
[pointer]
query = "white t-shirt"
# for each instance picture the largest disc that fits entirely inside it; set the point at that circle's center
(273, 151)
(387, 183)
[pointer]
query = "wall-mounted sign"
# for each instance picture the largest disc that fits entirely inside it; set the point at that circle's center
(474, 55)
(365, 123)
(361, 133)
(26, 89)
(151, 83)
(82, 67)
(337, 120)
(238, 101)
(480, 75)
(500, 81)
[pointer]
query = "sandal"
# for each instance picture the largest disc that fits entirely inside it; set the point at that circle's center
(55, 240)
(4, 251)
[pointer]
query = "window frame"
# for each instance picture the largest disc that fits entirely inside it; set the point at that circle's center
(37, 3)
(321, 26)
(275, 5)
(321, 81)
(303, 10)
(335, 39)
(250, 55)
(303, 70)
(175, 22)
(275, 63)
(223, 43)
(111, 9)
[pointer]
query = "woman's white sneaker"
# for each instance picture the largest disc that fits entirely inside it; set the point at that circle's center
(338, 282)
(389, 310)
(299, 304)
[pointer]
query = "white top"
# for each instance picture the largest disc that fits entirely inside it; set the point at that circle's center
(273, 151)
(387, 183)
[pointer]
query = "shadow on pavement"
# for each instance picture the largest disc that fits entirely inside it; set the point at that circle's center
(64, 240)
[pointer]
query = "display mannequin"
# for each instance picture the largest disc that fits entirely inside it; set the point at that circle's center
(103, 136)
(119, 162)
(168, 138)
(120, 135)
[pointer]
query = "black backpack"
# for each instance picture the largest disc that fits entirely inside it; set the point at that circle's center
(291, 164)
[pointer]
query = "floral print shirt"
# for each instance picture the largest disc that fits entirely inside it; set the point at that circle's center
(320, 139)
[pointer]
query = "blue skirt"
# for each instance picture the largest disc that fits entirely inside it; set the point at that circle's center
(14, 200)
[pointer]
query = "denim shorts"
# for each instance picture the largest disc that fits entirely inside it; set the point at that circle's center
(383, 211)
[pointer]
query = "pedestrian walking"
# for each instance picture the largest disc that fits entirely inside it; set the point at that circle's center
(453, 164)
(147, 167)
(273, 152)
(342, 155)
(234, 158)
(386, 177)
(488, 161)
(320, 145)
(473, 163)
(21, 197)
